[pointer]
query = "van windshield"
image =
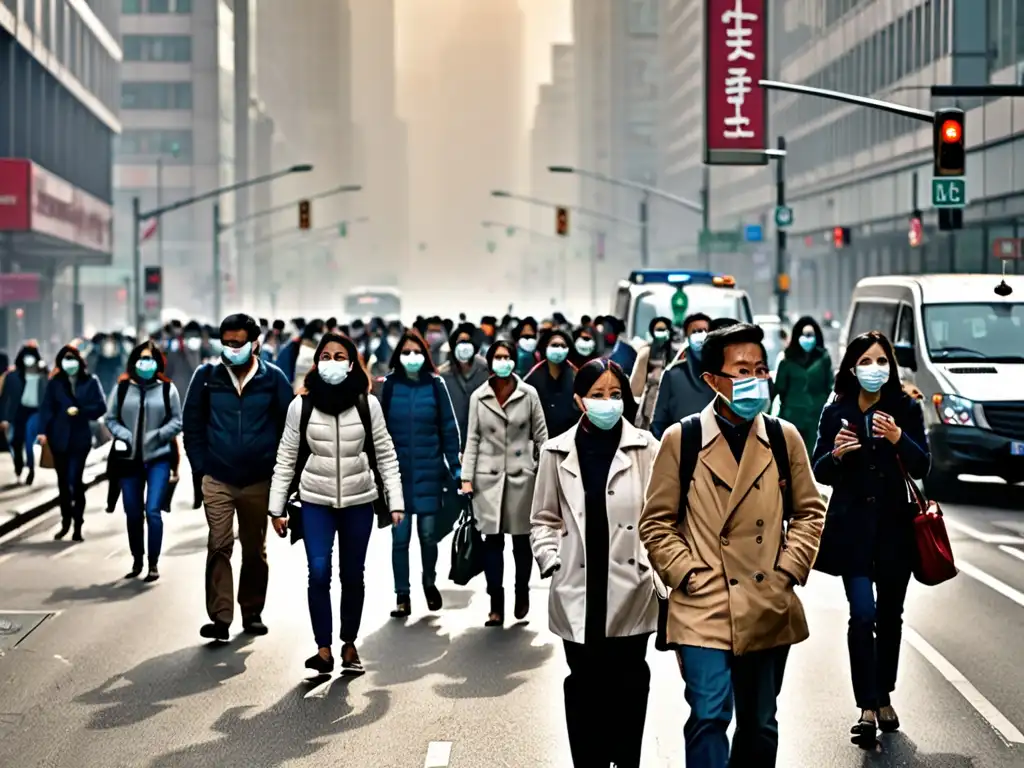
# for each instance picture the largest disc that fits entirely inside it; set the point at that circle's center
(713, 302)
(977, 331)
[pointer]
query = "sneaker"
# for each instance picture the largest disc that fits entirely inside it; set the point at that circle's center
(434, 600)
(253, 625)
(215, 630)
(320, 665)
(350, 662)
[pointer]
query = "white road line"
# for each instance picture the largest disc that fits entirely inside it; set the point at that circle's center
(991, 582)
(65, 552)
(114, 554)
(439, 754)
(8, 556)
(1012, 552)
(985, 538)
(1000, 724)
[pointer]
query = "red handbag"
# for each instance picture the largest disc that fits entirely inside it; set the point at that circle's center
(933, 563)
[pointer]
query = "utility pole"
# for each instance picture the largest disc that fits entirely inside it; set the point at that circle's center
(781, 266)
(705, 220)
(217, 279)
(137, 267)
(160, 204)
(645, 253)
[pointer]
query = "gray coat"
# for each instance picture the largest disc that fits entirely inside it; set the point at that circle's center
(500, 459)
(158, 438)
(461, 387)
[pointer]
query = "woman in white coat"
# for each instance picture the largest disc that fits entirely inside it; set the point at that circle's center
(499, 469)
(323, 456)
(602, 602)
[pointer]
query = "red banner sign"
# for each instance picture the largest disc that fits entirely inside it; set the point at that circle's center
(735, 59)
(14, 195)
(19, 288)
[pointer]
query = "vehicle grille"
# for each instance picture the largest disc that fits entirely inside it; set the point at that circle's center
(1006, 419)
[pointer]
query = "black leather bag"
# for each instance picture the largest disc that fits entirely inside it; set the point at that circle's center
(467, 548)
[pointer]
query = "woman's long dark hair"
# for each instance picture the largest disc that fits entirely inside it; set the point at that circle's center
(332, 399)
(588, 375)
(794, 347)
(411, 334)
(136, 353)
(30, 348)
(847, 384)
(69, 350)
(505, 344)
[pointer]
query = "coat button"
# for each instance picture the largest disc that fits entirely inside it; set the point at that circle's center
(733, 582)
(759, 539)
(629, 527)
(611, 493)
(760, 523)
(725, 541)
(631, 561)
(758, 577)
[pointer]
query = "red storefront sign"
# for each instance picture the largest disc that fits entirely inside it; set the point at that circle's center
(735, 59)
(19, 288)
(34, 200)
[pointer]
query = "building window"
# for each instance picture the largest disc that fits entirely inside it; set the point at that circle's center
(174, 146)
(156, 95)
(157, 47)
(131, 6)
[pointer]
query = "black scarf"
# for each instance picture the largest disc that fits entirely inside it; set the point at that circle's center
(334, 399)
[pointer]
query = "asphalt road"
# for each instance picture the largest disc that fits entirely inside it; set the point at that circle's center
(114, 673)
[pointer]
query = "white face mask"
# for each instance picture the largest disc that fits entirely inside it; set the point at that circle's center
(193, 343)
(334, 371)
(585, 346)
(528, 344)
(464, 351)
(30, 361)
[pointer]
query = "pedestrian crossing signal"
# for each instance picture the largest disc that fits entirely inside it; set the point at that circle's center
(562, 221)
(154, 280)
(305, 214)
(840, 237)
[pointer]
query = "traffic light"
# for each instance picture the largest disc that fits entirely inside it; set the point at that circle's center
(562, 221)
(840, 237)
(305, 214)
(950, 154)
(154, 280)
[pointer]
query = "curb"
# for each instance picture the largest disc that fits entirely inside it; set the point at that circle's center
(25, 516)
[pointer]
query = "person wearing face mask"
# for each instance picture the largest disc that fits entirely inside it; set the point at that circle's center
(334, 448)
(289, 348)
(524, 334)
(144, 418)
(732, 523)
(422, 424)
(434, 333)
(106, 359)
(19, 406)
(682, 390)
(463, 372)
(305, 352)
(653, 357)
(871, 439)
(584, 346)
(183, 355)
(233, 418)
(72, 400)
(488, 327)
(553, 379)
(804, 379)
(506, 430)
(586, 507)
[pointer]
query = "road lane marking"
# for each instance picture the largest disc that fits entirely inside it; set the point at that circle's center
(439, 754)
(114, 554)
(65, 552)
(1019, 554)
(985, 538)
(8, 556)
(992, 582)
(1006, 730)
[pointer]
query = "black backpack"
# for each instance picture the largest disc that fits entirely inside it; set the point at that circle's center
(690, 443)
(294, 505)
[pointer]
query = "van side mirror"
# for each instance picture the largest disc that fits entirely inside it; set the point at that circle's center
(905, 357)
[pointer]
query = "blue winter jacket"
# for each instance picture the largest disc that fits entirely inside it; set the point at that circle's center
(426, 437)
(287, 354)
(71, 434)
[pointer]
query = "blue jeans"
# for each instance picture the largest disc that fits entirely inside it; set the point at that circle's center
(352, 527)
(875, 633)
(23, 438)
(142, 496)
(714, 680)
(401, 537)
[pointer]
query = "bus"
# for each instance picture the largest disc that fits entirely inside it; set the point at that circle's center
(648, 293)
(366, 302)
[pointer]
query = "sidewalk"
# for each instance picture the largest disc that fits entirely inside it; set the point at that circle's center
(20, 504)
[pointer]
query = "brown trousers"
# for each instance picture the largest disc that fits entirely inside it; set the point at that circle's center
(222, 501)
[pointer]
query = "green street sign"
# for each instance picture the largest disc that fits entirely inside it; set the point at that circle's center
(720, 242)
(949, 192)
(680, 302)
(510, 231)
(343, 229)
(783, 216)
(491, 246)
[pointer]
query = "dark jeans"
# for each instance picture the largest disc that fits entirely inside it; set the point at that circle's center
(606, 701)
(70, 467)
(876, 629)
(142, 495)
(352, 527)
(23, 439)
(494, 562)
(714, 680)
(401, 538)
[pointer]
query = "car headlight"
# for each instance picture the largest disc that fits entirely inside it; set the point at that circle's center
(955, 410)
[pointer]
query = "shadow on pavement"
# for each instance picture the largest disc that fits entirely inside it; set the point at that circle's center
(456, 599)
(898, 751)
(478, 663)
(147, 690)
(122, 589)
(291, 729)
(190, 547)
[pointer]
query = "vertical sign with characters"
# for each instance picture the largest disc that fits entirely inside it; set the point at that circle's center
(735, 59)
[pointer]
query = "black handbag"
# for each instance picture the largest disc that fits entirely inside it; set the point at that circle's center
(467, 548)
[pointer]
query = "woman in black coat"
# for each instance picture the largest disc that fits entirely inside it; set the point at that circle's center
(553, 379)
(870, 439)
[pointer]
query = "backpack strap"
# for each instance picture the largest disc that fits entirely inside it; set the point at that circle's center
(122, 394)
(780, 453)
(303, 455)
(363, 409)
(167, 403)
(690, 442)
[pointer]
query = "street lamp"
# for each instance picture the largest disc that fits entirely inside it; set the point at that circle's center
(139, 216)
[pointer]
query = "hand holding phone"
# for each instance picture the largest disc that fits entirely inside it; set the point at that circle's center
(846, 441)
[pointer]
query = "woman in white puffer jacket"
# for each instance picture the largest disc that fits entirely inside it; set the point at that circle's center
(323, 456)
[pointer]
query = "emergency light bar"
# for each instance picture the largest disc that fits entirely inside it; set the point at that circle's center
(673, 277)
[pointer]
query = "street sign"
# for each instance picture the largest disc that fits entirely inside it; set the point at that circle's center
(783, 216)
(753, 233)
(720, 242)
(949, 192)
(680, 303)
(1006, 248)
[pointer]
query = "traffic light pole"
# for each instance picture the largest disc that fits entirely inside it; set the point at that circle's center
(137, 266)
(705, 220)
(217, 279)
(781, 267)
(645, 252)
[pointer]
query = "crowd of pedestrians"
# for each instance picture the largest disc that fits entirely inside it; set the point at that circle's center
(651, 486)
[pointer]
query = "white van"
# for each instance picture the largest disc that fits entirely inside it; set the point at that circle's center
(962, 345)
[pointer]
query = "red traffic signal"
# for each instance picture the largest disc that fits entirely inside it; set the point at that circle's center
(154, 279)
(948, 142)
(840, 236)
(305, 214)
(562, 221)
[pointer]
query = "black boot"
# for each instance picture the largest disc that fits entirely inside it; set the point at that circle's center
(496, 617)
(65, 526)
(434, 600)
(403, 607)
(136, 570)
(77, 535)
(522, 608)
(31, 477)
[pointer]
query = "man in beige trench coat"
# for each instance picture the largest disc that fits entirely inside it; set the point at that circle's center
(730, 558)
